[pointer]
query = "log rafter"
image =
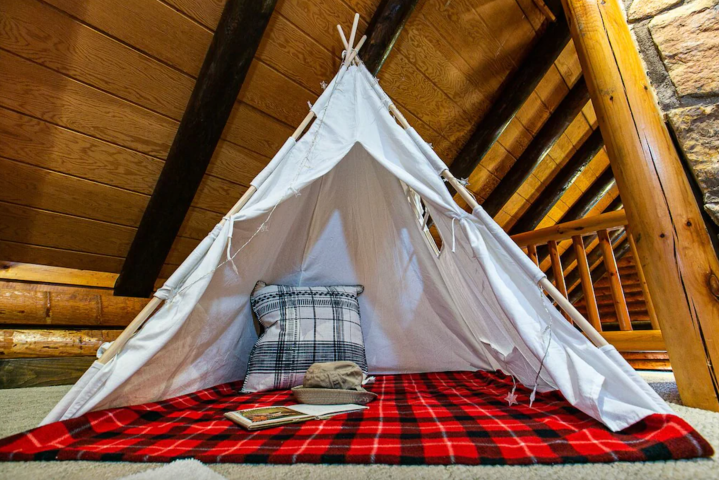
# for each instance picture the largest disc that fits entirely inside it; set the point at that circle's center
(383, 30)
(223, 72)
(553, 192)
(514, 92)
(541, 144)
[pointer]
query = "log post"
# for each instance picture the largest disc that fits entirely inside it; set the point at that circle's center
(532, 252)
(672, 241)
(643, 282)
(557, 269)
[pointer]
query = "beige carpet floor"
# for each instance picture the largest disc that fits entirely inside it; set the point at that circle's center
(22, 409)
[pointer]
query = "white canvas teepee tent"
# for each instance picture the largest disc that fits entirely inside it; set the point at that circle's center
(331, 209)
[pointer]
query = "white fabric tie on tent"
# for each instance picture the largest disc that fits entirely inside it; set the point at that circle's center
(474, 306)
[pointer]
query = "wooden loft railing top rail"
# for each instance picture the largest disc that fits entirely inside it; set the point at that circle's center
(603, 234)
(565, 231)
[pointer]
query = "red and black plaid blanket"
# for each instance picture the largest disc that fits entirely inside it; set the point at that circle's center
(434, 418)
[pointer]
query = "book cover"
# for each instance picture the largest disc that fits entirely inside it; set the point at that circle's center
(266, 417)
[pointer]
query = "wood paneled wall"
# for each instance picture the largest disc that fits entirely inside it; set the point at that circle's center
(92, 92)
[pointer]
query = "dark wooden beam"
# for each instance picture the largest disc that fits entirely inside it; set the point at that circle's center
(590, 197)
(584, 204)
(227, 61)
(529, 160)
(383, 30)
(514, 92)
(616, 204)
(559, 184)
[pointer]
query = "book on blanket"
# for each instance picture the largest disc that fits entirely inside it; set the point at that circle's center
(266, 417)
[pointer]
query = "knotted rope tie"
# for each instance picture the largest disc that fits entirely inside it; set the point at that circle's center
(547, 331)
(230, 258)
(460, 217)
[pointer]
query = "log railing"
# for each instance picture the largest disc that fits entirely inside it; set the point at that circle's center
(599, 243)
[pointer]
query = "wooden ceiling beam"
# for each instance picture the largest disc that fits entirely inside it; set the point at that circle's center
(383, 30)
(515, 91)
(223, 72)
(529, 160)
(596, 191)
(589, 199)
(551, 194)
(570, 255)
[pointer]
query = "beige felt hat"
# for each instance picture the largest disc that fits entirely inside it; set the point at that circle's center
(333, 383)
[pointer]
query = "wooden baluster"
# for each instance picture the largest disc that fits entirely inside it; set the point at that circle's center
(558, 272)
(585, 274)
(615, 283)
(532, 252)
(643, 281)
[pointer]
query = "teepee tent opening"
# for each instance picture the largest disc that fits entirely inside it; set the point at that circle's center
(332, 209)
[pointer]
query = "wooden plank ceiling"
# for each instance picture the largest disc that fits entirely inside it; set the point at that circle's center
(93, 90)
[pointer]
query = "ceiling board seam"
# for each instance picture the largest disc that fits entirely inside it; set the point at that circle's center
(467, 120)
(82, 82)
(65, 174)
(103, 255)
(119, 40)
(193, 20)
(112, 187)
(304, 33)
(44, 210)
(56, 212)
(149, 157)
(263, 62)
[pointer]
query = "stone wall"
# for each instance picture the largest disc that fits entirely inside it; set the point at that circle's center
(679, 42)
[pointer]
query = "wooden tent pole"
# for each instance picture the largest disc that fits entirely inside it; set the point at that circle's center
(673, 244)
(155, 302)
(594, 336)
(353, 32)
(353, 54)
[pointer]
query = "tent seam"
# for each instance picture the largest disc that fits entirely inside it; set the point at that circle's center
(309, 230)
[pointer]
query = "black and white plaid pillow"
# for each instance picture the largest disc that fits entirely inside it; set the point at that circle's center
(303, 325)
